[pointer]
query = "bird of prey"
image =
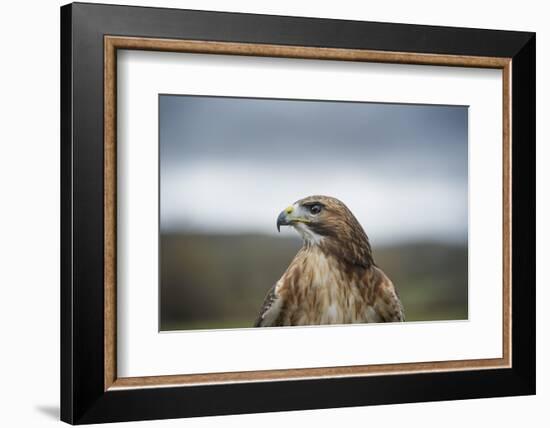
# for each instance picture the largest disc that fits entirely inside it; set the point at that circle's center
(333, 278)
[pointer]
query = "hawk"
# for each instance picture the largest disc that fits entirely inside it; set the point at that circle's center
(333, 278)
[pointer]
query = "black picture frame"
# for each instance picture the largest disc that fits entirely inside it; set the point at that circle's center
(83, 397)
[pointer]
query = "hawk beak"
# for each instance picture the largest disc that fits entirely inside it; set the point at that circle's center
(283, 219)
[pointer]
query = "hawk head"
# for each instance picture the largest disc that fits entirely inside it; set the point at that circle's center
(328, 223)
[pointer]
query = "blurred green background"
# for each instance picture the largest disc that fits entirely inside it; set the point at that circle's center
(219, 281)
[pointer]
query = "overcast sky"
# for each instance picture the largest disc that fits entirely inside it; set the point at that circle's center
(230, 165)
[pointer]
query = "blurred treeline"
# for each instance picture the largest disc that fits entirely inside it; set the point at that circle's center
(220, 281)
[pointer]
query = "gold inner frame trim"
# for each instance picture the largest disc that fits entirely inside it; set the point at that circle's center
(113, 43)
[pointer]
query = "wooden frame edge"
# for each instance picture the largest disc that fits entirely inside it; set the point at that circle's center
(507, 213)
(301, 52)
(112, 43)
(299, 374)
(109, 199)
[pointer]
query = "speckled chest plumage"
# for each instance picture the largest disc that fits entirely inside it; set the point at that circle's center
(316, 290)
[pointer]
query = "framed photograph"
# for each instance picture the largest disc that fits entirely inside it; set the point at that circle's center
(265, 213)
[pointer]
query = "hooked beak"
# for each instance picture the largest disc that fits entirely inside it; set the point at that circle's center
(282, 220)
(290, 216)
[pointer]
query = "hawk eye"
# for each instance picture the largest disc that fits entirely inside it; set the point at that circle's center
(315, 209)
